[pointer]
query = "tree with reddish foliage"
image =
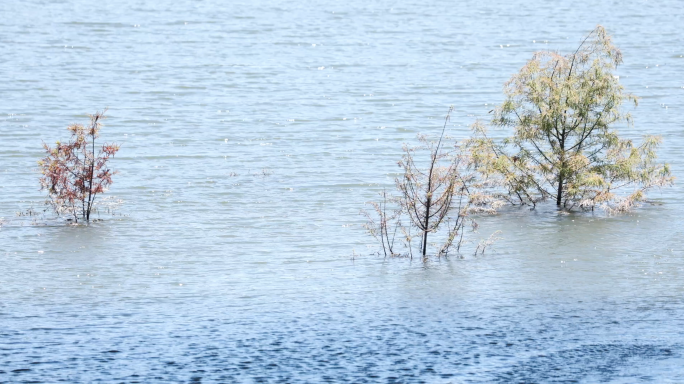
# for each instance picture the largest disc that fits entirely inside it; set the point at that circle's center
(73, 173)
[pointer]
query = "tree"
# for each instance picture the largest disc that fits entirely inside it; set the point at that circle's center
(73, 174)
(443, 194)
(563, 110)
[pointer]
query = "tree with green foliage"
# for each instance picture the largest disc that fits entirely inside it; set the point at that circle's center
(563, 110)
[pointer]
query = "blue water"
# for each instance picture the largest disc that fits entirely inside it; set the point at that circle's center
(252, 135)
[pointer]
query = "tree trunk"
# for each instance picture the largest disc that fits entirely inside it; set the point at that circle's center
(425, 232)
(559, 196)
(90, 184)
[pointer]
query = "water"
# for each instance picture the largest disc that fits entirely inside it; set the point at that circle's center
(253, 133)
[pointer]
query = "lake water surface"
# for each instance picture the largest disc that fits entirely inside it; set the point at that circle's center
(252, 134)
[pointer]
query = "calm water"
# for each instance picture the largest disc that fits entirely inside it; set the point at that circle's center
(253, 133)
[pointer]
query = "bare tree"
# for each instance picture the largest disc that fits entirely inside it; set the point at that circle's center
(426, 195)
(437, 198)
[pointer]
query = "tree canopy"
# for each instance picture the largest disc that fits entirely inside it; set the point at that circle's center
(562, 110)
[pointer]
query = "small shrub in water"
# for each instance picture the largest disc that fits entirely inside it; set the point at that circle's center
(75, 172)
(438, 199)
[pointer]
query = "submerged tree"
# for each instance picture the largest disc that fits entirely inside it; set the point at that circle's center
(563, 110)
(73, 173)
(436, 198)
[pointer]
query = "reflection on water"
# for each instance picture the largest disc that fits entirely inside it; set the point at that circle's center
(252, 134)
